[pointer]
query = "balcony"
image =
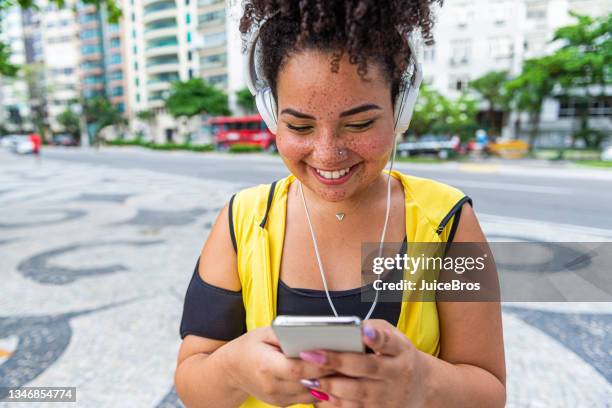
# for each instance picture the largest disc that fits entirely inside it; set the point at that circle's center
(159, 14)
(146, 3)
(163, 68)
(165, 50)
(158, 86)
(152, 34)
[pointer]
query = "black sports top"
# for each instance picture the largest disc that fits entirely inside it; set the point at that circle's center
(216, 313)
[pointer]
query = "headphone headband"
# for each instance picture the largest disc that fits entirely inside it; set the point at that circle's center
(264, 99)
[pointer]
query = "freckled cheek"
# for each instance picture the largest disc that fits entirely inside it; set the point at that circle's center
(293, 148)
(370, 148)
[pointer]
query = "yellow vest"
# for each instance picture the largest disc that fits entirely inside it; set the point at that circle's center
(258, 216)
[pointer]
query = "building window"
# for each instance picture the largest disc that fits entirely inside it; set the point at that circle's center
(189, 39)
(135, 49)
(188, 18)
(115, 59)
(218, 80)
(213, 61)
(212, 17)
(501, 47)
(461, 51)
(214, 40)
(115, 43)
(458, 83)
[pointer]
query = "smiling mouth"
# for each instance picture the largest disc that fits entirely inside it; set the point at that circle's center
(337, 176)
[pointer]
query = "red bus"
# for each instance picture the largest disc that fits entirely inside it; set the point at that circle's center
(250, 130)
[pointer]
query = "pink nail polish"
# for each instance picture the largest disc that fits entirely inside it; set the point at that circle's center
(313, 357)
(319, 395)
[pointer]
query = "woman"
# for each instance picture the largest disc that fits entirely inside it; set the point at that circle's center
(334, 69)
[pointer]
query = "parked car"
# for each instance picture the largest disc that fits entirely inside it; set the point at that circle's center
(428, 144)
(9, 141)
(24, 145)
(64, 140)
(606, 154)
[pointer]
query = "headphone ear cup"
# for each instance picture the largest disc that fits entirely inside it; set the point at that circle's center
(266, 105)
(404, 107)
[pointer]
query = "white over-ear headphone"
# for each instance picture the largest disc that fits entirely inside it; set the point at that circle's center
(264, 99)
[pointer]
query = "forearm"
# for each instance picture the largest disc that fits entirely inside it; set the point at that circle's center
(460, 385)
(205, 380)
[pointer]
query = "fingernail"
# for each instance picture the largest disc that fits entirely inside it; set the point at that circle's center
(369, 332)
(319, 395)
(313, 357)
(311, 383)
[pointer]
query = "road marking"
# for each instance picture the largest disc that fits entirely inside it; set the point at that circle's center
(488, 185)
(479, 168)
(547, 231)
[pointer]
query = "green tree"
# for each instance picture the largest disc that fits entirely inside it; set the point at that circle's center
(428, 110)
(194, 97)
(529, 90)
(149, 118)
(6, 68)
(245, 100)
(491, 89)
(584, 63)
(71, 122)
(99, 114)
(434, 113)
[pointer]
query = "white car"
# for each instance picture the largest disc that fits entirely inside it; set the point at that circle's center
(606, 154)
(9, 141)
(21, 144)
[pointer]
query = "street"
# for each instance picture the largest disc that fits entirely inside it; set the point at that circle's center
(97, 249)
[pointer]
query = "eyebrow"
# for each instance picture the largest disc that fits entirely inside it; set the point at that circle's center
(359, 109)
(362, 108)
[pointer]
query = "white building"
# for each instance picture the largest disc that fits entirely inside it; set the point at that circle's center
(14, 106)
(474, 37)
(166, 41)
(60, 53)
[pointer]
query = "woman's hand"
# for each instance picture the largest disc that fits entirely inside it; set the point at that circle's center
(257, 366)
(391, 377)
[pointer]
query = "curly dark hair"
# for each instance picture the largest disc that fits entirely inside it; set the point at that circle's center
(368, 30)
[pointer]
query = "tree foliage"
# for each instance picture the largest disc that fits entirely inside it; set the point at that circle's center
(100, 113)
(194, 97)
(584, 67)
(490, 88)
(434, 113)
(70, 121)
(245, 100)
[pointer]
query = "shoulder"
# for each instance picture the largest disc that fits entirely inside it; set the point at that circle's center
(436, 201)
(250, 205)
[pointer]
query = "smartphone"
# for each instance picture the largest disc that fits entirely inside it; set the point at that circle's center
(303, 333)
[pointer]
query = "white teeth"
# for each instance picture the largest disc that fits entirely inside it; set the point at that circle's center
(333, 174)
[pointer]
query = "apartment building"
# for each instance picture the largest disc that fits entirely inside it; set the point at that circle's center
(14, 95)
(474, 37)
(101, 56)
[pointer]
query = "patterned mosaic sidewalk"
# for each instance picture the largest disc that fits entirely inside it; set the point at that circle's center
(94, 263)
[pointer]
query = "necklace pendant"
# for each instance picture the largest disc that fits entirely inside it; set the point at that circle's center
(340, 216)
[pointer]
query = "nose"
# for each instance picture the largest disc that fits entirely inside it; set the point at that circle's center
(329, 150)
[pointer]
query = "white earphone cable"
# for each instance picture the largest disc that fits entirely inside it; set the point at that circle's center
(382, 238)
